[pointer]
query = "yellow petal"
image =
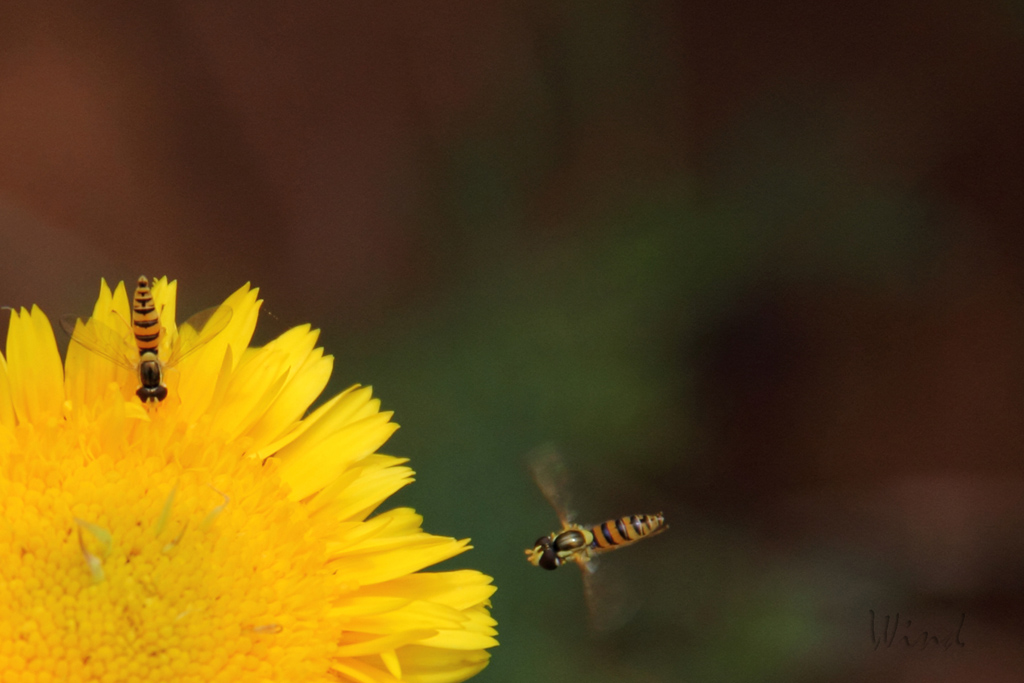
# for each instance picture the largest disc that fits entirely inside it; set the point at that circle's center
(422, 664)
(361, 644)
(394, 523)
(476, 632)
(88, 373)
(417, 615)
(245, 307)
(307, 471)
(368, 490)
(361, 672)
(390, 660)
(112, 308)
(249, 391)
(351, 405)
(297, 430)
(6, 402)
(419, 551)
(35, 372)
(201, 371)
(165, 299)
(295, 398)
(460, 589)
(356, 606)
(271, 387)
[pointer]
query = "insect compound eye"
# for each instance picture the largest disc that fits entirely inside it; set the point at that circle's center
(570, 540)
(542, 542)
(549, 560)
(147, 394)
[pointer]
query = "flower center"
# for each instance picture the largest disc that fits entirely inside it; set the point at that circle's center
(156, 571)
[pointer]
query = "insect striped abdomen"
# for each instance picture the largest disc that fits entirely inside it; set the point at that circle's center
(616, 533)
(145, 319)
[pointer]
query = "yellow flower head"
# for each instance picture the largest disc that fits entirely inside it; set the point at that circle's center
(218, 535)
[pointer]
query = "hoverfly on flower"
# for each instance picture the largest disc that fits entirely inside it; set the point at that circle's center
(582, 543)
(235, 534)
(135, 346)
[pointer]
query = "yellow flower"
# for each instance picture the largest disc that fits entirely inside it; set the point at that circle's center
(218, 535)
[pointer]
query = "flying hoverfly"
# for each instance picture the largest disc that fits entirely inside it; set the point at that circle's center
(143, 356)
(583, 543)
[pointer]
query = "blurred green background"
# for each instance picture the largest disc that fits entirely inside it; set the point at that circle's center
(756, 265)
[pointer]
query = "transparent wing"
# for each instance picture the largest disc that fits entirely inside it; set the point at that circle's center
(552, 479)
(197, 331)
(99, 338)
(609, 602)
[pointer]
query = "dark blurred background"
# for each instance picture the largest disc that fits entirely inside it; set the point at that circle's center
(758, 265)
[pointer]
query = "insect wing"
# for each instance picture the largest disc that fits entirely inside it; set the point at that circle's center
(609, 603)
(197, 331)
(98, 338)
(552, 479)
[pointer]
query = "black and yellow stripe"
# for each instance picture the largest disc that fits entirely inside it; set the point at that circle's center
(145, 318)
(617, 533)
